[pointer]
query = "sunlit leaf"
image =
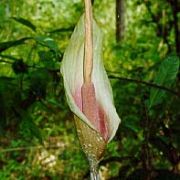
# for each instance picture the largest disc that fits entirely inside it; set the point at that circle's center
(48, 42)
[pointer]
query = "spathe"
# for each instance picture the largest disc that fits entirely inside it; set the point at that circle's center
(72, 71)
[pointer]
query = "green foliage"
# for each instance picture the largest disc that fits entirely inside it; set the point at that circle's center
(37, 134)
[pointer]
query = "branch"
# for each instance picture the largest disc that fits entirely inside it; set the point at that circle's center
(8, 57)
(112, 76)
(29, 66)
(116, 159)
(144, 83)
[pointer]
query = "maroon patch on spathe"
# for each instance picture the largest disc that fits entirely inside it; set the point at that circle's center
(86, 101)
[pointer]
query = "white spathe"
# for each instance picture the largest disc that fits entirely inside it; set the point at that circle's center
(72, 71)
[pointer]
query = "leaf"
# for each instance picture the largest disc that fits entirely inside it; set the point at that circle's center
(9, 57)
(48, 42)
(62, 30)
(6, 45)
(165, 77)
(25, 22)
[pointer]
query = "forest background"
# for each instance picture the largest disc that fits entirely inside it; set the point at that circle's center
(141, 50)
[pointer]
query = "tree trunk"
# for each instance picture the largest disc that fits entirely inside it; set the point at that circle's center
(119, 20)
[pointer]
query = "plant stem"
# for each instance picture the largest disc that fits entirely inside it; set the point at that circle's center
(94, 173)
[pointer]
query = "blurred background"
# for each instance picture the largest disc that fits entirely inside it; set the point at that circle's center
(141, 51)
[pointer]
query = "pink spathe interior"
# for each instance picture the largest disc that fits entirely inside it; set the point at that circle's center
(78, 98)
(86, 101)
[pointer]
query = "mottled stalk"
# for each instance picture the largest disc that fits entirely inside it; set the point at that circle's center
(94, 169)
